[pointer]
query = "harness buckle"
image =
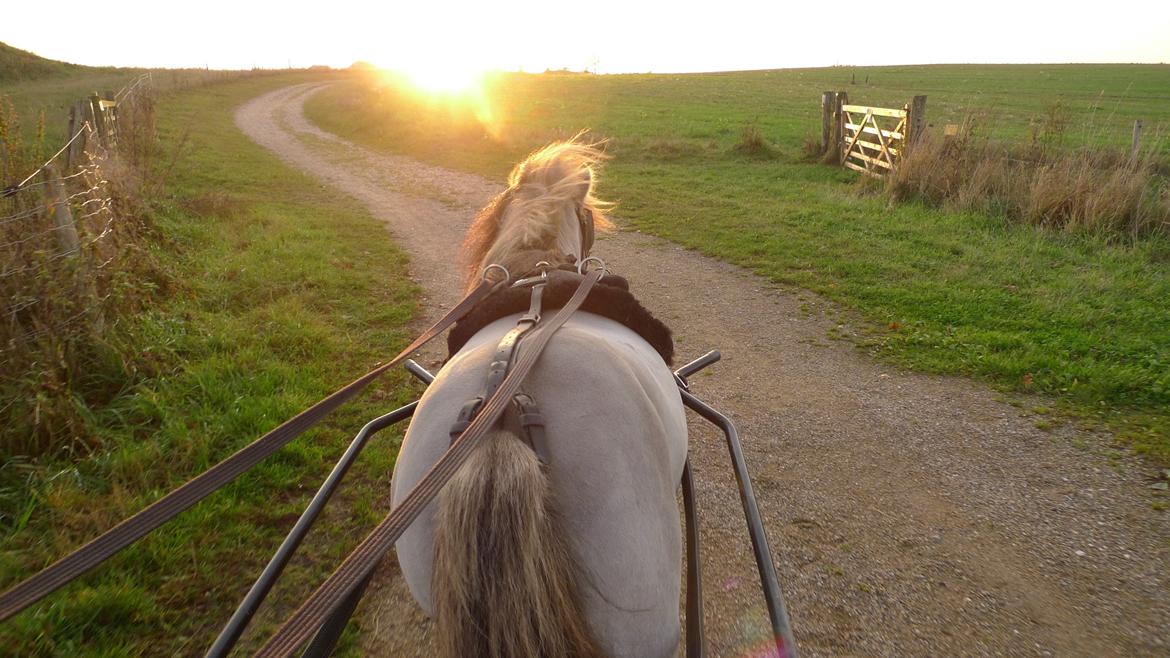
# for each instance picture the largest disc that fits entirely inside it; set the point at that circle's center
(543, 266)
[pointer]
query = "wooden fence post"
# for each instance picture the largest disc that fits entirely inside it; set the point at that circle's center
(1137, 139)
(70, 152)
(82, 110)
(112, 119)
(839, 147)
(62, 214)
(828, 110)
(916, 121)
(99, 118)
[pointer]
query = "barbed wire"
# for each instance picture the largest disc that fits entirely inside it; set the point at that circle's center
(45, 207)
(33, 236)
(129, 89)
(30, 186)
(17, 308)
(84, 127)
(104, 207)
(28, 213)
(56, 327)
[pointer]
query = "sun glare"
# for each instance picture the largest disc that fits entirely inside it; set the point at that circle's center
(453, 84)
(440, 77)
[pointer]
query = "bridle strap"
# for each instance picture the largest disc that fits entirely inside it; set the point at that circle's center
(365, 558)
(588, 235)
(501, 363)
(171, 505)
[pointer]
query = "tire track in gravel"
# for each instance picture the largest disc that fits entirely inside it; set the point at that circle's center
(911, 515)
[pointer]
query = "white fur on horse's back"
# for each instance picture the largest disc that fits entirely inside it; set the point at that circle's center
(617, 442)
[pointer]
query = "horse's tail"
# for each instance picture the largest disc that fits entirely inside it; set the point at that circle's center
(503, 576)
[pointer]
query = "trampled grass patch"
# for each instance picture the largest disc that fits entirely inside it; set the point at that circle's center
(285, 292)
(1076, 316)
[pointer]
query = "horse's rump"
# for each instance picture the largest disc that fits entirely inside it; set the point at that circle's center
(616, 437)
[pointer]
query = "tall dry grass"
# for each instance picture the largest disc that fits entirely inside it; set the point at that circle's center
(63, 352)
(1045, 183)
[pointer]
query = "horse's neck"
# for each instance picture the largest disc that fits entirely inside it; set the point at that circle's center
(556, 233)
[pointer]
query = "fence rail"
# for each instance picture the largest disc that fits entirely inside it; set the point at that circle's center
(869, 139)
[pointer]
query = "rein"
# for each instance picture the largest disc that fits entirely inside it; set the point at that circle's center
(88, 556)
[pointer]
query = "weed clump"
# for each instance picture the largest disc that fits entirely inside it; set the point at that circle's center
(1095, 190)
(753, 144)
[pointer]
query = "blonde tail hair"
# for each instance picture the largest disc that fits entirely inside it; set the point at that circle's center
(503, 583)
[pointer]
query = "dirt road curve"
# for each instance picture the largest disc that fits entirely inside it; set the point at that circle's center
(911, 515)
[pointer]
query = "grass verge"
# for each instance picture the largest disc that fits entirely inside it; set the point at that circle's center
(283, 297)
(1076, 316)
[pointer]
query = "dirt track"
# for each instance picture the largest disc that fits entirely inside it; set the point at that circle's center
(910, 515)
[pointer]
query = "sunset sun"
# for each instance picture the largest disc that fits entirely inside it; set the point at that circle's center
(447, 77)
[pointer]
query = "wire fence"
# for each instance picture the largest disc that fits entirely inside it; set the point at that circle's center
(56, 224)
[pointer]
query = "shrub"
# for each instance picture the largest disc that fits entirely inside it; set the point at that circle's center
(752, 142)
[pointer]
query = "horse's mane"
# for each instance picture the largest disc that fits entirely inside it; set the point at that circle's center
(540, 188)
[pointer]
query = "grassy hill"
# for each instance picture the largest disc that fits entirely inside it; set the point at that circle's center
(36, 91)
(18, 65)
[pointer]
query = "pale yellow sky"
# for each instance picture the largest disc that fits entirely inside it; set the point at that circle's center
(609, 36)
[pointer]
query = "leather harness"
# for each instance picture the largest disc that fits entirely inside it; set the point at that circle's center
(523, 409)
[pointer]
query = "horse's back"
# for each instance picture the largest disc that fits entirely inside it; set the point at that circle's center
(616, 440)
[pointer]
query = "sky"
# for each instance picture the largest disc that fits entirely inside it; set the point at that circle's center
(602, 35)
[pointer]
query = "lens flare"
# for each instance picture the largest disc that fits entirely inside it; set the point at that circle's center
(442, 77)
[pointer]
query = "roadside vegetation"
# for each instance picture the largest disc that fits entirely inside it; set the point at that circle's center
(994, 287)
(257, 293)
(1096, 190)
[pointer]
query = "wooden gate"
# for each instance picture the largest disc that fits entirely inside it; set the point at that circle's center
(872, 146)
(872, 140)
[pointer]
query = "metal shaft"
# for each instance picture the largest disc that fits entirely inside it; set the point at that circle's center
(778, 614)
(696, 642)
(247, 608)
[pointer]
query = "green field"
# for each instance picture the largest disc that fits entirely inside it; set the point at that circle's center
(276, 296)
(1081, 318)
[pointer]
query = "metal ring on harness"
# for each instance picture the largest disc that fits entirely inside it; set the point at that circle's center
(496, 266)
(581, 269)
(543, 266)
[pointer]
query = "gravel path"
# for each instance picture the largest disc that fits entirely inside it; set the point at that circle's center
(911, 515)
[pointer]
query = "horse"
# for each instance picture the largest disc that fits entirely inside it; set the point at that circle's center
(579, 556)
